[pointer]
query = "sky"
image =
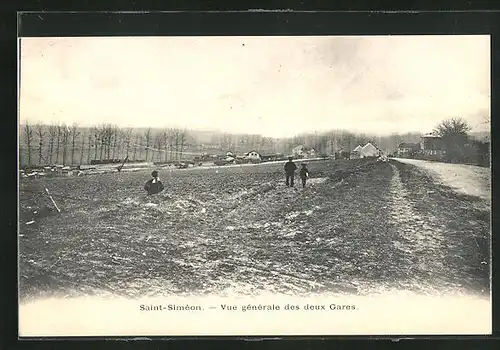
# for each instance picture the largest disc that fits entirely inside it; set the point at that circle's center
(273, 86)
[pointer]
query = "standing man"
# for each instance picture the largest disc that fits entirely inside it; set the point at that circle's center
(290, 168)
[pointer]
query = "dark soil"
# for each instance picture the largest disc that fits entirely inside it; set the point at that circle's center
(241, 230)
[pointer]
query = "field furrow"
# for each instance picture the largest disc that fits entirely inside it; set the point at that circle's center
(359, 227)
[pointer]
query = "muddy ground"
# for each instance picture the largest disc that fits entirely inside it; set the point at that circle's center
(360, 227)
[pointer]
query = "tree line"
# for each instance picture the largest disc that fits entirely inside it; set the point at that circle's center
(64, 144)
(327, 142)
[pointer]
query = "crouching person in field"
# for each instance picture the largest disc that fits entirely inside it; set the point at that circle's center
(154, 185)
(304, 174)
(290, 168)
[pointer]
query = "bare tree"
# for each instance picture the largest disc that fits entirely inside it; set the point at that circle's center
(40, 133)
(105, 135)
(176, 142)
(157, 145)
(454, 127)
(82, 148)
(165, 143)
(96, 134)
(321, 144)
(242, 143)
(171, 137)
(101, 140)
(115, 135)
(74, 133)
(182, 141)
(52, 136)
(332, 142)
(28, 135)
(66, 139)
(272, 144)
(147, 137)
(89, 149)
(127, 140)
(120, 144)
(109, 139)
(59, 137)
(64, 142)
(136, 142)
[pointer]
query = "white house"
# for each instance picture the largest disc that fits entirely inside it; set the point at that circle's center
(356, 153)
(370, 150)
(252, 156)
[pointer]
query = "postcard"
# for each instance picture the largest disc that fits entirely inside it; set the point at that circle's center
(254, 185)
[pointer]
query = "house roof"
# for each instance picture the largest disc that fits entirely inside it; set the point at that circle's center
(247, 153)
(374, 146)
(358, 147)
(430, 135)
(369, 145)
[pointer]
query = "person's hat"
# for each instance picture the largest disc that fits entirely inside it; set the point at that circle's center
(154, 173)
(290, 157)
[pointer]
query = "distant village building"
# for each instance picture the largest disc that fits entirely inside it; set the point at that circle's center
(342, 154)
(406, 149)
(230, 158)
(253, 156)
(369, 150)
(356, 152)
(432, 144)
(303, 151)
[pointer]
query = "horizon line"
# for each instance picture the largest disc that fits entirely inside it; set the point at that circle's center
(234, 133)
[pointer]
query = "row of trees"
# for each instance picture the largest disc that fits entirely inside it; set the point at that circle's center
(245, 143)
(71, 145)
(325, 142)
(336, 140)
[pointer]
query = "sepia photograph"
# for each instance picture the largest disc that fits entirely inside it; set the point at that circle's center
(254, 185)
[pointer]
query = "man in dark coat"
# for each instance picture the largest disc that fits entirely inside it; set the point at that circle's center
(154, 185)
(290, 168)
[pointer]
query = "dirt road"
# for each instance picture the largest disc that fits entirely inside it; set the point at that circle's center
(467, 179)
